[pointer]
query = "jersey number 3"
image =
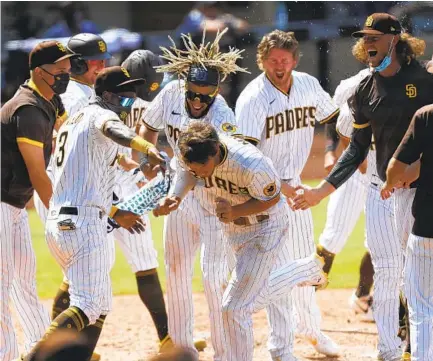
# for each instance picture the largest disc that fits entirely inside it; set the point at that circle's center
(61, 153)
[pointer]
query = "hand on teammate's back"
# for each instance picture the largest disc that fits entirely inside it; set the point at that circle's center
(130, 221)
(168, 205)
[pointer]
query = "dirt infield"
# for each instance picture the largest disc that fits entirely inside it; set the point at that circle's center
(129, 334)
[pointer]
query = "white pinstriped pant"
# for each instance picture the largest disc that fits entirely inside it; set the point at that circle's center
(344, 208)
(418, 285)
(387, 257)
(185, 230)
(18, 281)
(85, 256)
(254, 284)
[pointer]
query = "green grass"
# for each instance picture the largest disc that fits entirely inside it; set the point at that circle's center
(344, 272)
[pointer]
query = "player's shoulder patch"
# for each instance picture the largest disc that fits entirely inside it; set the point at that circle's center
(270, 189)
(228, 127)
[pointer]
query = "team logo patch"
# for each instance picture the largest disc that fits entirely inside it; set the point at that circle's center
(270, 189)
(125, 72)
(229, 128)
(369, 21)
(123, 116)
(61, 47)
(102, 46)
(411, 91)
(154, 86)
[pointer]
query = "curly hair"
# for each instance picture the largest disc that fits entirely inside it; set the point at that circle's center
(280, 40)
(206, 55)
(408, 47)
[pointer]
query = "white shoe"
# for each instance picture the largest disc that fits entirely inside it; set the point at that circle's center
(362, 306)
(325, 345)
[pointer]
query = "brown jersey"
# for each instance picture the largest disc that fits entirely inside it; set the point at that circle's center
(418, 142)
(387, 104)
(28, 118)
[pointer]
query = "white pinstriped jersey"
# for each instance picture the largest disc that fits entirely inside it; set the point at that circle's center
(284, 123)
(243, 174)
(77, 96)
(345, 119)
(84, 161)
(168, 111)
(137, 111)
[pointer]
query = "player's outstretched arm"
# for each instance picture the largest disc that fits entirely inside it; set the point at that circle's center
(121, 134)
(347, 164)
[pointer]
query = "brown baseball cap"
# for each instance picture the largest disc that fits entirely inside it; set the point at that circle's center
(379, 24)
(48, 52)
(115, 79)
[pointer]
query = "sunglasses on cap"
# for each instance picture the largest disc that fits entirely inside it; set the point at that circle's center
(125, 101)
(204, 98)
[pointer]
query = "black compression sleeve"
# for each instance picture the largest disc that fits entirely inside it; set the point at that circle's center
(119, 132)
(332, 138)
(351, 158)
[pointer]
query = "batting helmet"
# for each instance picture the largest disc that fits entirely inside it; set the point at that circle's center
(88, 47)
(140, 64)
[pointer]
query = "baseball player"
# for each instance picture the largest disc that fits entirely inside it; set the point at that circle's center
(419, 256)
(84, 176)
(277, 111)
(241, 187)
(344, 208)
(382, 106)
(27, 124)
(84, 69)
(189, 227)
(381, 240)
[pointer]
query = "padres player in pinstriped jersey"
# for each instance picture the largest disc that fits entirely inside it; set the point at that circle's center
(382, 105)
(344, 208)
(277, 111)
(189, 228)
(76, 227)
(236, 183)
(84, 69)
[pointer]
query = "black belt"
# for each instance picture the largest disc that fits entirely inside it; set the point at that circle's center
(244, 221)
(73, 211)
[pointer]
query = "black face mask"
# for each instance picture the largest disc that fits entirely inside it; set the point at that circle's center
(61, 82)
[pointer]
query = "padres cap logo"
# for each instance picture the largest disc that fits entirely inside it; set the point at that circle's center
(125, 71)
(270, 189)
(154, 86)
(102, 46)
(229, 128)
(369, 21)
(61, 47)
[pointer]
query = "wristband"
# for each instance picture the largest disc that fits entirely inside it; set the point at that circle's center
(141, 145)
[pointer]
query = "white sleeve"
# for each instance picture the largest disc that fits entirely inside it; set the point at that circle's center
(265, 183)
(345, 121)
(153, 115)
(222, 118)
(183, 182)
(251, 116)
(325, 106)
